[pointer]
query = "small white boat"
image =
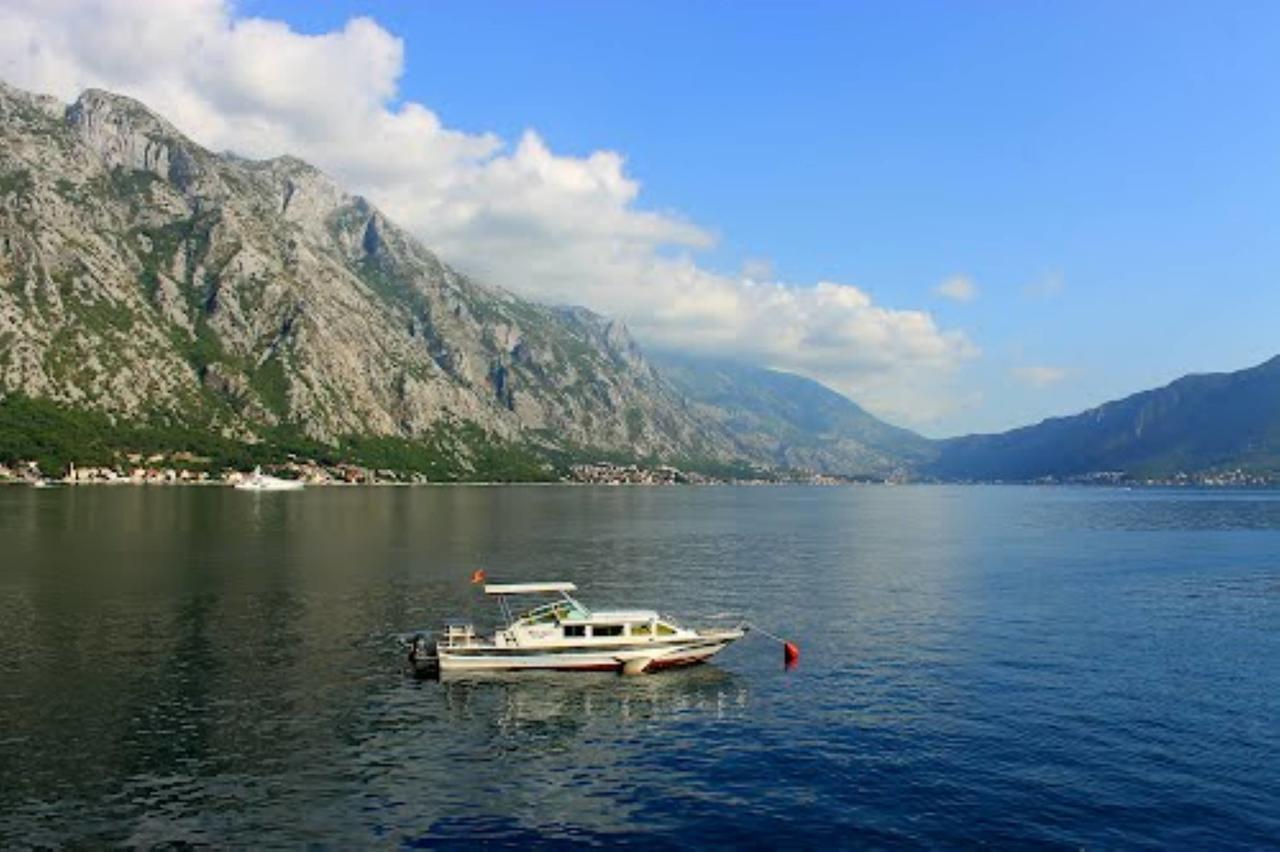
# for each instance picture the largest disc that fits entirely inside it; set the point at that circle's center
(563, 634)
(259, 481)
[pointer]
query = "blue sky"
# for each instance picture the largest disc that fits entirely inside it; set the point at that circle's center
(1105, 175)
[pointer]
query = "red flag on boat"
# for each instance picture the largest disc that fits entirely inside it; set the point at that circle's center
(478, 576)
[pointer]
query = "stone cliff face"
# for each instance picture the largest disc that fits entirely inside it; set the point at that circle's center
(146, 277)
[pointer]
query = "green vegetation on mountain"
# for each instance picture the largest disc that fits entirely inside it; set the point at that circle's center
(56, 436)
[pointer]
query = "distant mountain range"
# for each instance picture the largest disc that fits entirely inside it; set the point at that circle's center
(147, 281)
(1199, 423)
(794, 422)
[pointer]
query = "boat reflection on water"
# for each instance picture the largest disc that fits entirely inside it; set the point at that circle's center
(571, 700)
(534, 755)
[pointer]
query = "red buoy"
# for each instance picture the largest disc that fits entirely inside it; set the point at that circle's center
(790, 653)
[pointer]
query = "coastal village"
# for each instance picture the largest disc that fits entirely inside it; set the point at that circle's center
(188, 469)
(183, 469)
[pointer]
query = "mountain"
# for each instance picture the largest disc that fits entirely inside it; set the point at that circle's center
(1199, 423)
(148, 279)
(792, 421)
(148, 282)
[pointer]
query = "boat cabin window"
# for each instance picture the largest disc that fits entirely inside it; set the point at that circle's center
(665, 629)
(606, 630)
(640, 630)
(575, 630)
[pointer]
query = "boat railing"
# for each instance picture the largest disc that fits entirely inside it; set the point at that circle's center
(459, 634)
(718, 621)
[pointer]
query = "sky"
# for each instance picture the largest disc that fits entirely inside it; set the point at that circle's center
(966, 216)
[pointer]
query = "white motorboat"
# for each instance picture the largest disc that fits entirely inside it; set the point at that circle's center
(259, 481)
(563, 634)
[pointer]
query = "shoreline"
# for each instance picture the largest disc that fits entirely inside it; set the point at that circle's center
(60, 484)
(223, 483)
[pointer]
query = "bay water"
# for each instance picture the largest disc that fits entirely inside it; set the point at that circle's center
(1075, 667)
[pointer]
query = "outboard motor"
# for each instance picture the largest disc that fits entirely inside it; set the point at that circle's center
(419, 649)
(421, 653)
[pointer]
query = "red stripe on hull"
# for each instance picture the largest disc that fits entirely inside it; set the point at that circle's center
(589, 667)
(671, 664)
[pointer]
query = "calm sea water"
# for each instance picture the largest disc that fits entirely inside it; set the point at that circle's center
(1007, 666)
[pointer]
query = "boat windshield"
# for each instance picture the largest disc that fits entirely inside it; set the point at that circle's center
(564, 609)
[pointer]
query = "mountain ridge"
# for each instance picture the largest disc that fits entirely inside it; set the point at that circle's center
(1197, 423)
(153, 281)
(794, 421)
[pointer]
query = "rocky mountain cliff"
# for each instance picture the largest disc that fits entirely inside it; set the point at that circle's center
(146, 277)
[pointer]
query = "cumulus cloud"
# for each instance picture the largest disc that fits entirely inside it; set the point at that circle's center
(1040, 376)
(757, 269)
(958, 289)
(554, 227)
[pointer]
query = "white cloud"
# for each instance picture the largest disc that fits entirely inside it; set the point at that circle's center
(1040, 376)
(757, 269)
(555, 227)
(958, 288)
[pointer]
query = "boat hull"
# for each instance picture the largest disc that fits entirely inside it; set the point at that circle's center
(638, 657)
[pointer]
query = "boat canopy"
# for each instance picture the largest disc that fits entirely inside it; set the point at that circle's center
(528, 588)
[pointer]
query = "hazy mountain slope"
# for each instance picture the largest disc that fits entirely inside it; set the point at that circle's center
(793, 421)
(1198, 423)
(145, 277)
